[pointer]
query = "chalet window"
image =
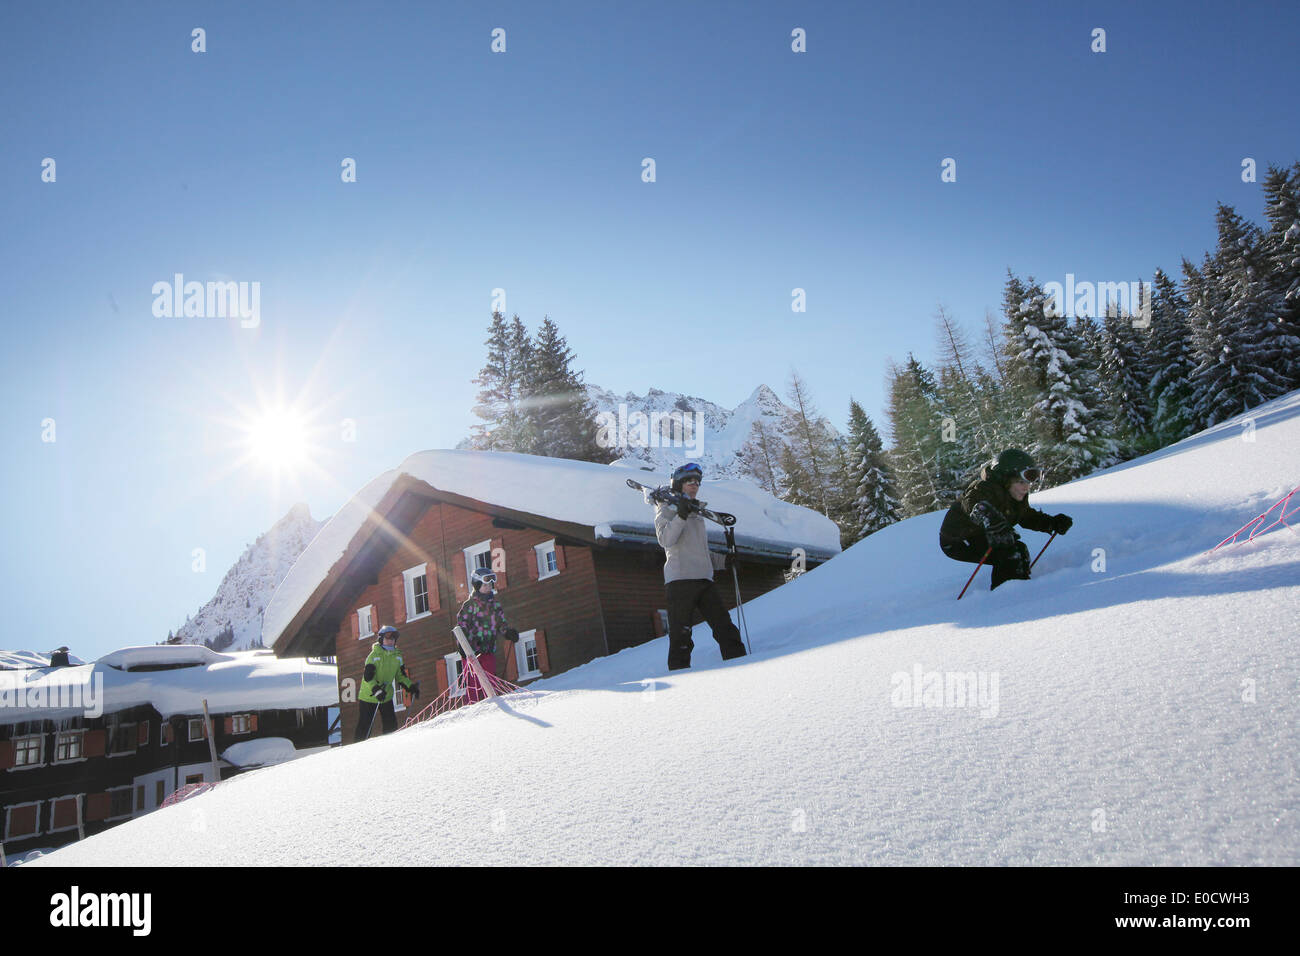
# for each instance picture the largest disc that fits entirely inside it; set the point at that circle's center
(22, 820)
(454, 686)
(547, 562)
(159, 792)
(477, 556)
(193, 778)
(122, 738)
(417, 591)
(241, 724)
(67, 745)
(139, 795)
(29, 751)
(196, 729)
(365, 627)
(526, 657)
(121, 802)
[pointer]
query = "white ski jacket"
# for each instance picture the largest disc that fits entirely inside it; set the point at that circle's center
(686, 542)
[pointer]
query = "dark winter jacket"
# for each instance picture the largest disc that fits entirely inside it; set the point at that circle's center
(483, 621)
(1000, 512)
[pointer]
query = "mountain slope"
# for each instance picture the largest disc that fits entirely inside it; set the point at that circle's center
(1133, 704)
(247, 587)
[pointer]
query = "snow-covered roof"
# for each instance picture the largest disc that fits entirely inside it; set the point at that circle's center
(262, 752)
(22, 660)
(231, 683)
(576, 492)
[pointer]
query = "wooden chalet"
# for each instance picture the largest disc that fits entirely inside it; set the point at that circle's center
(579, 579)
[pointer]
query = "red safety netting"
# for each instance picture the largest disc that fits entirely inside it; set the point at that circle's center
(1284, 510)
(187, 791)
(466, 692)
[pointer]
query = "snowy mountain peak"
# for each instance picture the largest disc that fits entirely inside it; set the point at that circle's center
(232, 620)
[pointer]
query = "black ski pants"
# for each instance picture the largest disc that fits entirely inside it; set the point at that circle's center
(1007, 563)
(366, 718)
(687, 597)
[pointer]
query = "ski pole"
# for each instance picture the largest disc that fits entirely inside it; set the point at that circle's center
(975, 572)
(1040, 553)
(735, 578)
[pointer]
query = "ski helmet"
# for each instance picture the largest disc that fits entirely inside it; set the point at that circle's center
(1016, 464)
(387, 631)
(483, 574)
(683, 472)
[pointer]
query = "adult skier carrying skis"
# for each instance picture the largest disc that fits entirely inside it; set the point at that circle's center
(483, 620)
(688, 573)
(985, 516)
(383, 666)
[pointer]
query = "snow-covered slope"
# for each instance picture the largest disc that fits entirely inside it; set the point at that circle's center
(247, 587)
(1138, 707)
(21, 660)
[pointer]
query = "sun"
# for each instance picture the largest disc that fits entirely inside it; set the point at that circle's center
(277, 439)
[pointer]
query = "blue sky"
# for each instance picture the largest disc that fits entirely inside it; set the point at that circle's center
(522, 170)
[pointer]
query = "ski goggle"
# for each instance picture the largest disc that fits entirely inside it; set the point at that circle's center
(485, 576)
(1030, 475)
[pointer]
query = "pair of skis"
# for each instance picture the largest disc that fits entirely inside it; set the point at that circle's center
(676, 498)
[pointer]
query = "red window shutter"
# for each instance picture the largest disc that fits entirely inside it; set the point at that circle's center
(509, 666)
(142, 737)
(658, 624)
(356, 624)
(399, 601)
(499, 563)
(458, 576)
(559, 557)
(229, 725)
(169, 732)
(7, 754)
(22, 821)
(92, 744)
(532, 566)
(431, 582)
(252, 723)
(97, 806)
(543, 659)
(65, 813)
(441, 669)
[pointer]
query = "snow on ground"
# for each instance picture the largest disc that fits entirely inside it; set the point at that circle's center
(1140, 714)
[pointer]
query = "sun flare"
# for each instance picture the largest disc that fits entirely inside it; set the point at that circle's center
(277, 438)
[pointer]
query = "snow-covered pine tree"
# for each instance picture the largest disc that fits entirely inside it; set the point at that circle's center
(958, 390)
(1170, 342)
(797, 485)
(1241, 351)
(875, 504)
(1124, 378)
(811, 439)
(759, 458)
(917, 454)
(1281, 249)
(1042, 354)
(561, 419)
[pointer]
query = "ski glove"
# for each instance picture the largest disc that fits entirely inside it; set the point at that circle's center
(380, 693)
(415, 690)
(1061, 524)
(512, 635)
(684, 508)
